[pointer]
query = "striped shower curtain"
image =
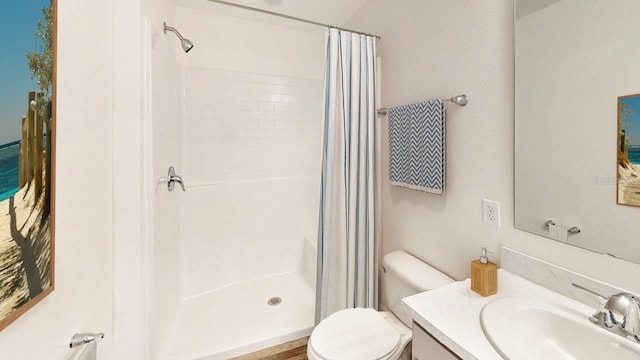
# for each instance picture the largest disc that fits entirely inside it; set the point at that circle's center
(347, 238)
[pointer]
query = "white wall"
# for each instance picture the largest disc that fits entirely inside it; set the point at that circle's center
(233, 43)
(129, 235)
(566, 148)
(82, 300)
(442, 48)
(162, 126)
(165, 244)
(251, 135)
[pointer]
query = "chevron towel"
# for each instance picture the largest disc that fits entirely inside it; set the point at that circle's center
(417, 146)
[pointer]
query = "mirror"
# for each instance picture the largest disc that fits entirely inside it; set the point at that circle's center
(576, 62)
(27, 157)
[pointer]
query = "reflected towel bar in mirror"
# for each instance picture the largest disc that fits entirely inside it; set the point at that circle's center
(572, 230)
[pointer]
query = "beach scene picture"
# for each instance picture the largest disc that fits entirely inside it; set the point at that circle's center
(629, 150)
(26, 156)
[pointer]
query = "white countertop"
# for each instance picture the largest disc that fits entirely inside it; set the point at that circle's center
(451, 313)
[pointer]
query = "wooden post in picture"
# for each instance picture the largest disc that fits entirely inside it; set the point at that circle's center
(22, 165)
(30, 131)
(47, 185)
(39, 145)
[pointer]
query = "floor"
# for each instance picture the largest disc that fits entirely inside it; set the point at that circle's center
(294, 350)
(237, 320)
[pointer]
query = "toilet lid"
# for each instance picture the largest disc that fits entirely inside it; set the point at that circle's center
(354, 334)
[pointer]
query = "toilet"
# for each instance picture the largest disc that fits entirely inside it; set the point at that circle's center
(367, 334)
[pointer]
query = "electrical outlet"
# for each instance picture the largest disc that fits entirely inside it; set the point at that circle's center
(491, 212)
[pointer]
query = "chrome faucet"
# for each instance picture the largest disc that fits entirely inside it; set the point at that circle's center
(84, 338)
(625, 310)
(619, 314)
(172, 178)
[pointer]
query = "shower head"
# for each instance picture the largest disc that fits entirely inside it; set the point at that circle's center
(187, 45)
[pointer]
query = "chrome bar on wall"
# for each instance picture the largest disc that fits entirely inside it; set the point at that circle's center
(572, 230)
(84, 338)
(460, 100)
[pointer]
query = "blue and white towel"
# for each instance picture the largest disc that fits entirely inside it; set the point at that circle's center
(417, 146)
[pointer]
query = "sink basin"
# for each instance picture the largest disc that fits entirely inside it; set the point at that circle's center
(527, 328)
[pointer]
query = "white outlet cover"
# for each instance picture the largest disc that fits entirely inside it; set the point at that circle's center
(491, 212)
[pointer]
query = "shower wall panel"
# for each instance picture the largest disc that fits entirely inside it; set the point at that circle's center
(251, 156)
(164, 123)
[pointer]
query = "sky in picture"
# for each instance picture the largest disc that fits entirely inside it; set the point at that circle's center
(19, 21)
(633, 130)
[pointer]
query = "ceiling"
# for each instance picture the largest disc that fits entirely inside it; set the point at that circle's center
(528, 7)
(333, 12)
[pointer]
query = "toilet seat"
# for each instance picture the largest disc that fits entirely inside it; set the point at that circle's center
(355, 334)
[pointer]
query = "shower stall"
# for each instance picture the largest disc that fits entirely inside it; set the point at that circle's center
(239, 117)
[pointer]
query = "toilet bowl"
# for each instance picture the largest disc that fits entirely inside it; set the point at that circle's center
(359, 334)
(367, 334)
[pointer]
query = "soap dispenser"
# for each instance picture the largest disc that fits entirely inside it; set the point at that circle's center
(484, 275)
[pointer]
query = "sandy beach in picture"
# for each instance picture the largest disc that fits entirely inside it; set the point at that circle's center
(25, 255)
(629, 185)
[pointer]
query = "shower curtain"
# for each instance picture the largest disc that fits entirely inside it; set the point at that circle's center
(347, 238)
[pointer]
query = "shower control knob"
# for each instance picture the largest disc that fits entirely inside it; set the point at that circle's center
(172, 179)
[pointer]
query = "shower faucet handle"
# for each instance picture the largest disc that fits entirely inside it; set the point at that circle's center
(176, 179)
(172, 178)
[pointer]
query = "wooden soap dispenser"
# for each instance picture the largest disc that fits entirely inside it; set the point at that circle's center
(484, 275)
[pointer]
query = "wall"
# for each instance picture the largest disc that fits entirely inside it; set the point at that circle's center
(566, 120)
(442, 48)
(238, 44)
(82, 300)
(129, 236)
(251, 134)
(161, 121)
(165, 265)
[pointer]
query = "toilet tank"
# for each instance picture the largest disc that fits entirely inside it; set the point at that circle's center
(404, 275)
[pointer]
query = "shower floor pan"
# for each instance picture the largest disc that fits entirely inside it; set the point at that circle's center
(242, 318)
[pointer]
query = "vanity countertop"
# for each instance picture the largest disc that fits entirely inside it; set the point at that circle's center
(451, 313)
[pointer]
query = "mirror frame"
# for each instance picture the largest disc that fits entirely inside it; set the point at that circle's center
(45, 292)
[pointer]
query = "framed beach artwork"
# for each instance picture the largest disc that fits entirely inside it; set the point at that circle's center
(27, 155)
(629, 150)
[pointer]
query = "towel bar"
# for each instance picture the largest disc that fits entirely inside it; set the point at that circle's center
(460, 100)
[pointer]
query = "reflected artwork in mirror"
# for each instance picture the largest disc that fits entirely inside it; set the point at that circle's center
(575, 61)
(27, 156)
(629, 150)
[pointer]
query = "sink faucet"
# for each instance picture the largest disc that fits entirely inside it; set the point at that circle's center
(625, 310)
(619, 313)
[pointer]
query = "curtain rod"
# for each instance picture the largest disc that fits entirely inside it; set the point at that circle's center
(290, 17)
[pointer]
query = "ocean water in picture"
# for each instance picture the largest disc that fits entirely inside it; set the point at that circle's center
(634, 154)
(9, 160)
